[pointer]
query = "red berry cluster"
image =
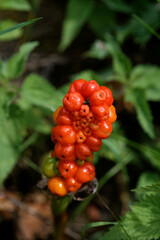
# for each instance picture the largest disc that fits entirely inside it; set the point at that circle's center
(82, 122)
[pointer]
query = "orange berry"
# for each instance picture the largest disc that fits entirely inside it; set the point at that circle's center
(57, 186)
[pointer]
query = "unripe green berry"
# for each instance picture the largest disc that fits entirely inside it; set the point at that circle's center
(50, 167)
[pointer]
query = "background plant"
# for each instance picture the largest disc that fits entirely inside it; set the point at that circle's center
(117, 44)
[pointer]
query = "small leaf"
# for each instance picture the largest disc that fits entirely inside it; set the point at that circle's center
(101, 19)
(146, 178)
(98, 50)
(152, 154)
(96, 224)
(37, 91)
(11, 35)
(35, 120)
(20, 5)
(147, 77)
(151, 188)
(121, 63)
(138, 99)
(152, 94)
(152, 20)
(9, 155)
(18, 26)
(118, 5)
(76, 15)
(15, 65)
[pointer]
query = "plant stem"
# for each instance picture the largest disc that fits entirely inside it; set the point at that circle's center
(60, 224)
(59, 206)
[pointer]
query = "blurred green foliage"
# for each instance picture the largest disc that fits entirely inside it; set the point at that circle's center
(28, 100)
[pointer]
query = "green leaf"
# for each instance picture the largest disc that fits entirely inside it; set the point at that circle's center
(101, 20)
(116, 150)
(142, 222)
(98, 50)
(37, 91)
(96, 224)
(138, 99)
(148, 23)
(152, 154)
(35, 120)
(10, 139)
(146, 178)
(152, 94)
(118, 5)
(4, 24)
(147, 77)
(151, 188)
(19, 26)
(145, 24)
(15, 65)
(20, 5)
(77, 13)
(121, 63)
(8, 154)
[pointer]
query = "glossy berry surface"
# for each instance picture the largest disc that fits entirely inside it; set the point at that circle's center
(85, 173)
(65, 134)
(67, 169)
(57, 186)
(72, 184)
(73, 101)
(84, 120)
(89, 87)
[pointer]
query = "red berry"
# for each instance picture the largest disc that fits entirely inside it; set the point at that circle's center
(82, 151)
(63, 111)
(73, 101)
(85, 173)
(67, 169)
(109, 99)
(53, 132)
(94, 143)
(77, 125)
(72, 184)
(65, 134)
(84, 122)
(64, 120)
(84, 110)
(90, 117)
(55, 114)
(97, 98)
(87, 131)
(100, 110)
(104, 130)
(65, 152)
(80, 137)
(89, 87)
(76, 85)
(112, 114)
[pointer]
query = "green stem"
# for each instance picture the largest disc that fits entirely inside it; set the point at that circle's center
(60, 224)
(59, 206)
(145, 25)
